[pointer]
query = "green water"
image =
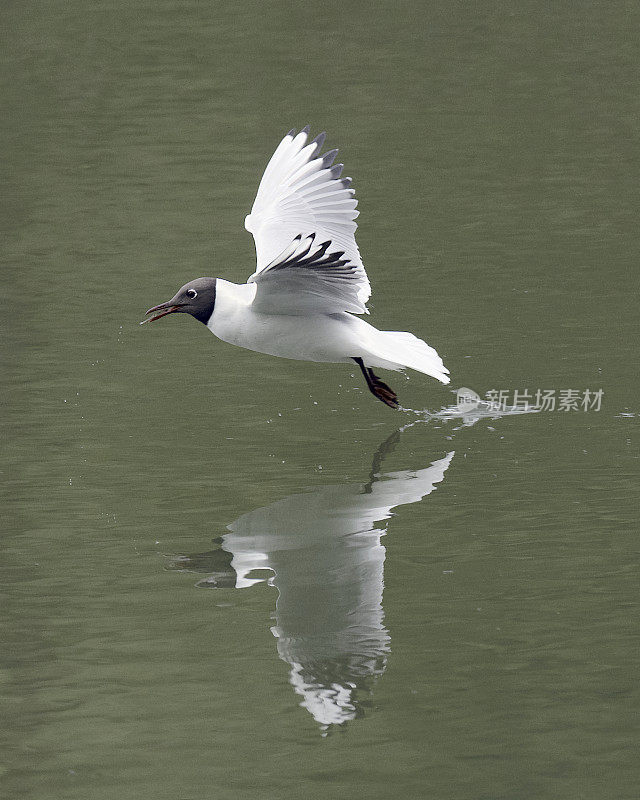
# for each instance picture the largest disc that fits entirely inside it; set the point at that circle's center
(197, 538)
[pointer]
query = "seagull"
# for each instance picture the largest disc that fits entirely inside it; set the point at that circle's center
(309, 282)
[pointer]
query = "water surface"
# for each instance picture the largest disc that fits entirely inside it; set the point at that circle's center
(233, 576)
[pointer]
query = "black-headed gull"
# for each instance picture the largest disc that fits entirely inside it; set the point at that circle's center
(309, 281)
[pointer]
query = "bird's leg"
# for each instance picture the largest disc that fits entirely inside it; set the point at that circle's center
(376, 386)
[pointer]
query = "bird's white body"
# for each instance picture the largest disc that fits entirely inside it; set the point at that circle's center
(313, 337)
(335, 338)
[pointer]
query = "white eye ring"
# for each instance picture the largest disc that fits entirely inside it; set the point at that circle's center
(192, 293)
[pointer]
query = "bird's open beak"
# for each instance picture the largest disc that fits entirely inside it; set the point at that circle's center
(164, 309)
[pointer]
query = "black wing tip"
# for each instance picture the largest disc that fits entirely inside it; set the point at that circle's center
(328, 158)
(319, 140)
(340, 266)
(306, 130)
(291, 133)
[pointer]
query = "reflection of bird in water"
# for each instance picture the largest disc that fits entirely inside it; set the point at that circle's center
(324, 550)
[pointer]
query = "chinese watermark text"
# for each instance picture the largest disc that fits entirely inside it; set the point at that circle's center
(530, 400)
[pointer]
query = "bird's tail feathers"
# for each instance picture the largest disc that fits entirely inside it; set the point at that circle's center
(403, 349)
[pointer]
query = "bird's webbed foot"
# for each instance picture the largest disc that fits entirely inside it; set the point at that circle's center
(378, 387)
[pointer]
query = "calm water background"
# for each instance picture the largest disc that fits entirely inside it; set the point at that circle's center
(494, 150)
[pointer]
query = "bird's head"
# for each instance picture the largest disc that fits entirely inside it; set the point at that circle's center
(196, 298)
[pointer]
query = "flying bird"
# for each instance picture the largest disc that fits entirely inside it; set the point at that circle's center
(309, 282)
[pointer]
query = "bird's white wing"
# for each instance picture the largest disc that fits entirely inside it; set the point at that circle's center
(302, 193)
(308, 278)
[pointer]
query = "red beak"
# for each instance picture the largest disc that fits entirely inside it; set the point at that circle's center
(164, 308)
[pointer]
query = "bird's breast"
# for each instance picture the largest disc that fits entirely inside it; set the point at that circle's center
(308, 338)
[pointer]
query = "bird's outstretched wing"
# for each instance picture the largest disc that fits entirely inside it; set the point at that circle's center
(308, 278)
(301, 193)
